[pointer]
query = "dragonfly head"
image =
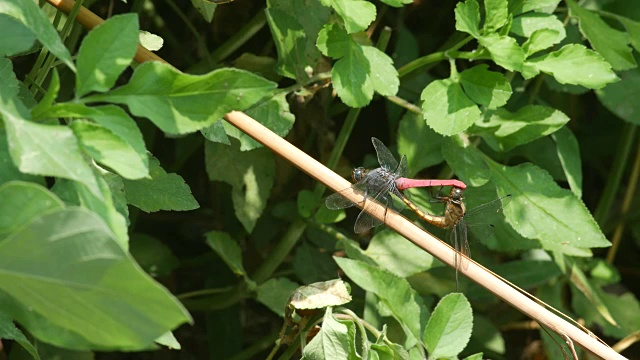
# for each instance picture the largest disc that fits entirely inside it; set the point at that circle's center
(358, 174)
(456, 194)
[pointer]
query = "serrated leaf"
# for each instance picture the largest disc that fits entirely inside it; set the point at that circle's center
(620, 97)
(504, 51)
(130, 307)
(275, 292)
(573, 64)
(447, 109)
(392, 252)
(28, 13)
(49, 150)
(633, 29)
(331, 342)
(205, 8)
(541, 210)
(273, 114)
(405, 304)
(356, 14)
(228, 250)
(612, 44)
(320, 295)
(163, 191)
(21, 202)
(506, 130)
(290, 21)
(180, 103)
(540, 6)
(110, 150)
(468, 17)
(384, 76)
(568, 150)
(466, 161)
(105, 53)
(250, 174)
(418, 142)
(449, 328)
(488, 88)
(496, 14)
(542, 31)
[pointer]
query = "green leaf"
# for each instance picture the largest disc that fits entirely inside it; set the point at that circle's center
(506, 130)
(447, 109)
(71, 255)
(620, 97)
(392, 252)
(21, 202)
(573, 64)
(395, 293)
(540, 6)
(168, 340)
(356, 14)
(449, 327)
(179, 103)
(9, 331)
(10, 84)
(250, 174)
(103, 206)
(612, 44)
(384, 76)
(8, 171)
(308, 201)
(334, 42)
(487, 88)
(633, 29)
(542, 31)
(569, 154)
(30, 15)
(468, 17)
(161, 192)
(110, 150)
(504, 50)
(275, 293)
(49, 150)
(590, 291)
(16, 37)
(205, 8)
(418, 142)
(290, 21)
(466, 161)
(397, 3)
(228, 250)
(105, 53)
(331, 342)
(320, 295)
(152, 255)
(541, 210)
(311, 264)
(274, 114)
(496, 14)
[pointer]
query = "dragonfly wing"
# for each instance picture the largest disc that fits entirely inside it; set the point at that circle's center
(385, 158)
(463, 244)
(369, 216)
(364, 222)
(402, 168)
(481, 219)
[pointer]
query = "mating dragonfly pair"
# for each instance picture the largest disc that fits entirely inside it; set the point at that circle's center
(387, 180)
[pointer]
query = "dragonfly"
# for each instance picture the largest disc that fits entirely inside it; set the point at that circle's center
(457, 220)
(379, 185)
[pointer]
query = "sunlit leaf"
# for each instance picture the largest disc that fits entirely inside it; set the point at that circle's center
(447, 109)
(449, 327)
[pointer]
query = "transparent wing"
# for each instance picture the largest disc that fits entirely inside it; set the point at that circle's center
(385, 158)
(338, 201)
(462, 245)
(368, 218)
(480, 219)
(402, 168)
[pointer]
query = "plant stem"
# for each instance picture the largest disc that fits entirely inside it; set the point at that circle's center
(280, 252)
(626, 204)
(613, 183)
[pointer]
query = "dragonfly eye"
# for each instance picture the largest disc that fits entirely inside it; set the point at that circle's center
(456, 194)
(358, 174)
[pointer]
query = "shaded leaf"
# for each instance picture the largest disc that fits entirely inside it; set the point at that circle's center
(418, 142)
(331, 342)
(163, 191)
(275, 292)
(466, 161)
(9, 331)
(487, 88)
(568, 151)
(620, 97)
(504, 50)
(228, 250)
(21, 202)
(152, 255)
(250, 174)
(356, 14)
